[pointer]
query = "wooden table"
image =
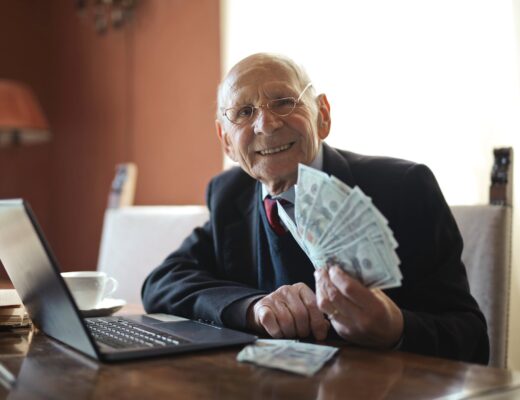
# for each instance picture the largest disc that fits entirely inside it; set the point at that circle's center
(46, 369)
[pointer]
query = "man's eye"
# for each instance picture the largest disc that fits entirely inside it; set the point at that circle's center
(288, 102)
(244, 112)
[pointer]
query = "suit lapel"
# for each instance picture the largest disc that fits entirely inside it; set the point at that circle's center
(336, 164)
(241, 237)
(248, 204)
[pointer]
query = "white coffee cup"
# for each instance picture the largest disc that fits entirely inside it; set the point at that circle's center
(89, 288)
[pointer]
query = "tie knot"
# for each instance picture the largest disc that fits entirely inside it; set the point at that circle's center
(280, 200)
(271, 210)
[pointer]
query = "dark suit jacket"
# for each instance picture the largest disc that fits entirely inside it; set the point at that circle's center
(216, 265)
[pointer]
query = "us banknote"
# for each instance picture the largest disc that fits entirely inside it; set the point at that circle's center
(288, 355)
(338, 225)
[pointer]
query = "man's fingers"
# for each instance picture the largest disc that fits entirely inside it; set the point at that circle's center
(301, 300)
(328, 296)
(275, 317)
(322, 296)
(300, 319)
(266, 318)
(332, 301)
(350, 288)
(318, 324)
(358, 314)
(291, 311)
(285, 319)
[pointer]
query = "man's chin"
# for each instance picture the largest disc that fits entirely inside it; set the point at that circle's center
(278, 182)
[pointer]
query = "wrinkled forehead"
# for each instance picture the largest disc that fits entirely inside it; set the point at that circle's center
(247, 82)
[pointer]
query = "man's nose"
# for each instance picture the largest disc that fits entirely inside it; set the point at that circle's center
(266, 122)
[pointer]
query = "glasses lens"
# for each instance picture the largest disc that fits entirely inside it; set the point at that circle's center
(239, 115)
(283, 106)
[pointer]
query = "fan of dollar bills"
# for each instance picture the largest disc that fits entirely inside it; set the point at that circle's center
(337, 225)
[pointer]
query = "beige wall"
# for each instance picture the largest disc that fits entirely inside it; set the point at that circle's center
(144, 93)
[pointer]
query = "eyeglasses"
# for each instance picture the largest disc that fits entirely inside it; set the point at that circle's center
(282, 107)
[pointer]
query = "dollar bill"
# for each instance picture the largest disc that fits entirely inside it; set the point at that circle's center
(338, 225)
(361, 259)
(300, 358)
(291, 227)
(309, 183)
(324, 211)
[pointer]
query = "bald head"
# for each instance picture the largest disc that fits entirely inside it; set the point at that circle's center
(257, 63)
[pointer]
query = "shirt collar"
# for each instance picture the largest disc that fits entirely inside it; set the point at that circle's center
(289, 194)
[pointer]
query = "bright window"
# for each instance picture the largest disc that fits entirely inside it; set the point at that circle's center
(431, 81)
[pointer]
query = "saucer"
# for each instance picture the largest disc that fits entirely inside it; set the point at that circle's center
(106, 307)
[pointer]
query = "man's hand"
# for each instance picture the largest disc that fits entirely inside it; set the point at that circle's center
(360, 315)
(290, 311)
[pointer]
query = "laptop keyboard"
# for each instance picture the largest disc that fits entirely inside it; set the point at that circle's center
(121, 333)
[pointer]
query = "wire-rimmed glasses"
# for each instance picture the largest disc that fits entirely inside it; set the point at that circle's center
(282, 107)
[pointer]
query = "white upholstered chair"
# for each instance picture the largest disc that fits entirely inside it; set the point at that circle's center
(486, 231)
(137, 239)
(487, 234)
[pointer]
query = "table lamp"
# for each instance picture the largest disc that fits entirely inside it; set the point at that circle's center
(22, 121)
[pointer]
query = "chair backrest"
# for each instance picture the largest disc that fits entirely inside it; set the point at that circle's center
(137, 239)
(486, 231)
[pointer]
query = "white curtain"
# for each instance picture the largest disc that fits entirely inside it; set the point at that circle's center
(431, 81)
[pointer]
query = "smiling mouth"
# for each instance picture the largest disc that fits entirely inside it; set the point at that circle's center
(275, 150)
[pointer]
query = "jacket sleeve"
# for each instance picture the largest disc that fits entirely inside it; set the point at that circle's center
(441, 317)
(192, 283)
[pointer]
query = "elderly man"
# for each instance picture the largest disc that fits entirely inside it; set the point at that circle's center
(241, 270)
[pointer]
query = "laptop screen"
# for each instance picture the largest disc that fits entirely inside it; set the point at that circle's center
(34, 272)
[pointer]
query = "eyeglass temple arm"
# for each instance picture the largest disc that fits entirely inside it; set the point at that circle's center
(303, 91)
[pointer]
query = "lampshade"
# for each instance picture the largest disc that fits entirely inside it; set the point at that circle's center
(21, 118)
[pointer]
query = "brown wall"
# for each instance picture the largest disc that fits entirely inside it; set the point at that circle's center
(144, 93)
(25, 171)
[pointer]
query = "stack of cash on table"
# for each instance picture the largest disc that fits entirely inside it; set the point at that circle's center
(287, 355)
(12, 312)
(337, 225)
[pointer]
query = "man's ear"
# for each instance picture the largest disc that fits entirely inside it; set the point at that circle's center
(323, 116)
(224, 140)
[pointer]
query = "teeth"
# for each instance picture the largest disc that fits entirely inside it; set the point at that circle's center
(275, 149)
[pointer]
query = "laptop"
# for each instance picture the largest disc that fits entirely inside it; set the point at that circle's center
(35, 274)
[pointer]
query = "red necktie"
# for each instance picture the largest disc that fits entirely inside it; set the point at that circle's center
(271, 209)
